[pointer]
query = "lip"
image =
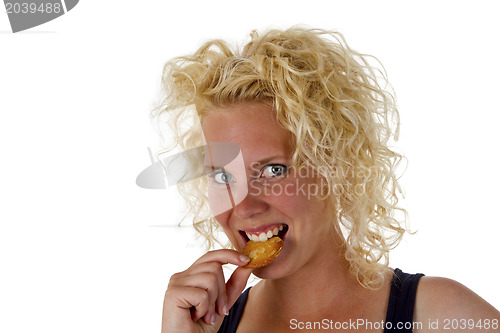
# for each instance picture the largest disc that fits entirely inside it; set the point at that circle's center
(263, 228)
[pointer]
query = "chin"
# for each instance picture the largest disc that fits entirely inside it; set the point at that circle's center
(275, 270)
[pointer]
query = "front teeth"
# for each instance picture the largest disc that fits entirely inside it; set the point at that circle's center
(264, 236)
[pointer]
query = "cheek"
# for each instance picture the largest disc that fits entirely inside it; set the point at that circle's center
(299, 189)
(291, 195)
(223, 220)
(220, 199)
(300, 200)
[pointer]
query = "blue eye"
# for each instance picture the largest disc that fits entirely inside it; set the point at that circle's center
(222, 177)
(274, 170)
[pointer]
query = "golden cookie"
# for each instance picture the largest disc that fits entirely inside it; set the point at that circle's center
(262, 253)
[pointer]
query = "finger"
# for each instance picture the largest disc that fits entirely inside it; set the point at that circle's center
(210, 316)
(195, 302)
(224, 257)
(221, 306)
(236, 283)
(209, 282)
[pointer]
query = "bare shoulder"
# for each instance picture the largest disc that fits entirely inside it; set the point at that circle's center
(446, 302)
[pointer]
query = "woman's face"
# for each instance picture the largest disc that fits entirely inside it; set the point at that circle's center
(278, 197)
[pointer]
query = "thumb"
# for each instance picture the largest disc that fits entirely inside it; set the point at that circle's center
(236, 284)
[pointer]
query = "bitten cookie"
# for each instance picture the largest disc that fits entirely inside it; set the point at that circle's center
(262, 253)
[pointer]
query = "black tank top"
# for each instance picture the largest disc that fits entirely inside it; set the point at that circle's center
(399, 318)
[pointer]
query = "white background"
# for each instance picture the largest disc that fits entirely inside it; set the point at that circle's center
(79, 246)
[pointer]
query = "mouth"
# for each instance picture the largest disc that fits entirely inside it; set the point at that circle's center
(263, 235)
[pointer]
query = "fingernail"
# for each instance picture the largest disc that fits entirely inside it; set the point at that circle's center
(224, 310)
(212, 319)
(244, 258)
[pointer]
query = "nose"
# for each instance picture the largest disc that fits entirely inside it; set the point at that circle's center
(251, 206)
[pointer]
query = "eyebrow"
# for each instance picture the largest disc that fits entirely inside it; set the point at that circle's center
(210, 168)
(268, 159)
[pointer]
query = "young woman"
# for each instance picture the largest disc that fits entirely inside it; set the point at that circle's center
(312, 120)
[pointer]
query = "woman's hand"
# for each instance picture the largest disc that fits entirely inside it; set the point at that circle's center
(198, 298)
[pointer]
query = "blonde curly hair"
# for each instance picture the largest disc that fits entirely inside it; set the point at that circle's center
(339, 108)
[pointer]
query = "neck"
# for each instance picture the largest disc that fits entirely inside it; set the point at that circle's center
(325, 283)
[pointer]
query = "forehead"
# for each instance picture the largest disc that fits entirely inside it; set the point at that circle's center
(251, 126)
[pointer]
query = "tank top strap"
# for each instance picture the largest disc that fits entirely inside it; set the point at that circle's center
(399, 317)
